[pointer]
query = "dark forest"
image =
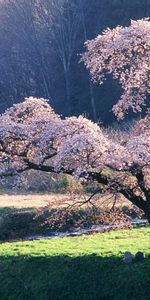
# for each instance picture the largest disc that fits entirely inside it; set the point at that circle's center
(41, 43)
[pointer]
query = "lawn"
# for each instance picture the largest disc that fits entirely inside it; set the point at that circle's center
(89, 267)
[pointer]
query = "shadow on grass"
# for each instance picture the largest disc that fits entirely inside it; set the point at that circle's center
(17, 223)
(73, 278)
(11, 209)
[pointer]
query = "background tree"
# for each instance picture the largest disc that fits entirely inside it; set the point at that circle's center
(66, 21)
(123, 52)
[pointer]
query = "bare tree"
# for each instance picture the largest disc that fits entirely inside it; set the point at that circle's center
(27, 60)
(83, 11)
(64, 31)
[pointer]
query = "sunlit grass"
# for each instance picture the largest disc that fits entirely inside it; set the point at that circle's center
(89, 267)
(111, 243)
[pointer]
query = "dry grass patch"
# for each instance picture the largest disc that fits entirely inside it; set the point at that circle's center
(54, 200)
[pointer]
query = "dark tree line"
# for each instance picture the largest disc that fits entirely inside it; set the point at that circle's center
(40, 43)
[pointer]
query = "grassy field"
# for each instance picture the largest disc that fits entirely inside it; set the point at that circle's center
(76, 268)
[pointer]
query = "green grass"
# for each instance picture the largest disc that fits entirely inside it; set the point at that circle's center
(89, 267)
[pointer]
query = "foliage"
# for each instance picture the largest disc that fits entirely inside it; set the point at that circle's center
(87, 267)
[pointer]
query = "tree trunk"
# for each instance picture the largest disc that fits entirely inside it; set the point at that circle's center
(147, 212)
(92, 101)
(137, 201)
(46, 89)
(68, 98)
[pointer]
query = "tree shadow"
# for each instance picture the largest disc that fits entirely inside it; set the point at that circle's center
(89, 277)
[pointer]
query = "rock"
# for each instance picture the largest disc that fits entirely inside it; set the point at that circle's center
(139, 256)
(128, 257)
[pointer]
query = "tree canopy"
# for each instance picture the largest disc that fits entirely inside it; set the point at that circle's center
(32, 136)
(123, 52)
